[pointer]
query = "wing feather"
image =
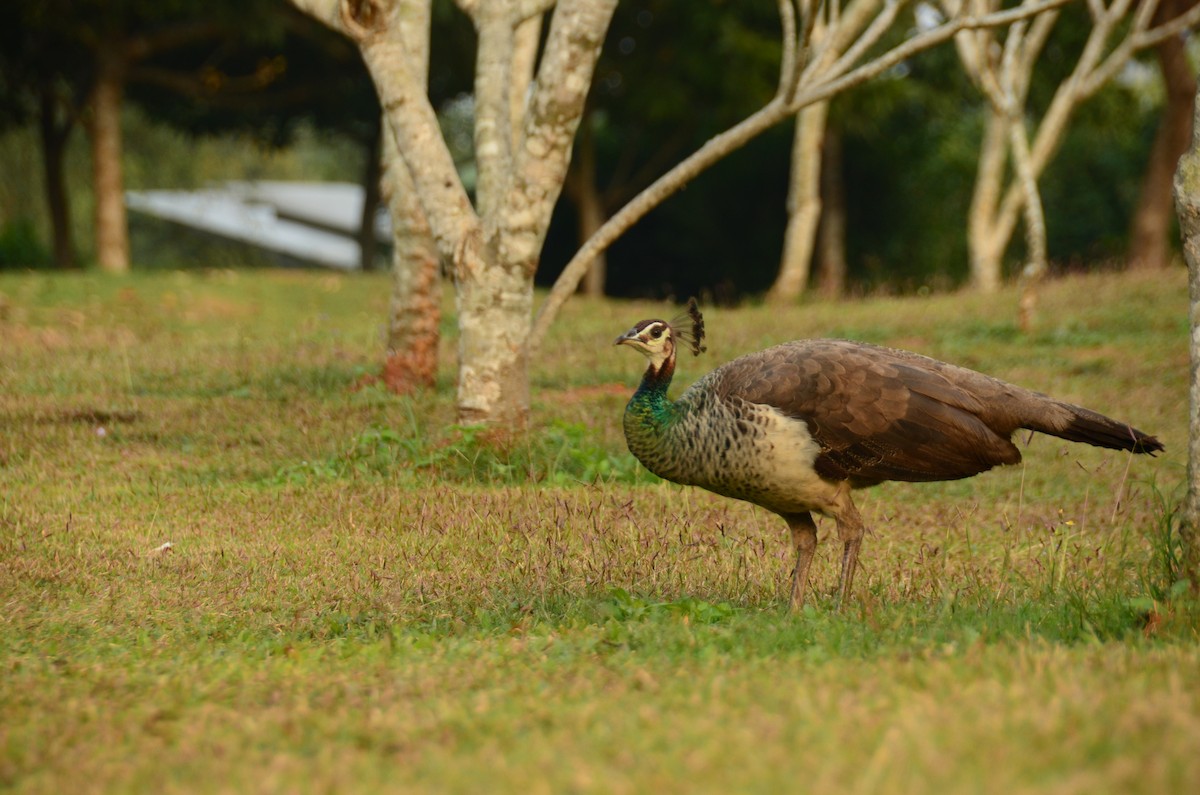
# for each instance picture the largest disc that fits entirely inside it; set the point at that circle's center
(877, 414)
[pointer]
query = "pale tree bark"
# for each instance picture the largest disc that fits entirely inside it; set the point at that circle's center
(985, 242)
(104, 129)
(524, 63)
(415, 308)
(1187, 203)
(1004, 82)
(804, 183)
(803, 205)
(831, 234)
(491, 249)
(810, 72)
(1150, 230)
(1002, 68)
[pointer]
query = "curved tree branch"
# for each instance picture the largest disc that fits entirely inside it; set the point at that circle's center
(723, 144)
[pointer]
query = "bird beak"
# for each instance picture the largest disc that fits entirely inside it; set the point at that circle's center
(627, 338)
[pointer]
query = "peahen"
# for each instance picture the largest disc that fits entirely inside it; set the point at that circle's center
(796, 427)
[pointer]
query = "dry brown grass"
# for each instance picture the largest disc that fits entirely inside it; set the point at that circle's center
(358, 597)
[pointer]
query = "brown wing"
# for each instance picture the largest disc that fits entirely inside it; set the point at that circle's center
(879, 414)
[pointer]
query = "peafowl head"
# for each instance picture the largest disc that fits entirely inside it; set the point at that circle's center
(656, 339)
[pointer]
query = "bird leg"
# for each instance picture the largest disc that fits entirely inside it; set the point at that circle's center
(850, 530)
(804, 537)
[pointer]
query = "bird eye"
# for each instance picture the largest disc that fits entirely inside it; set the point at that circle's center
(656, 332)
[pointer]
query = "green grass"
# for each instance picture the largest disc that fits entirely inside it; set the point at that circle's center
(360, 595)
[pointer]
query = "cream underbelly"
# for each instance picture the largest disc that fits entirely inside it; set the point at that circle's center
(775, 469)
(789, 480)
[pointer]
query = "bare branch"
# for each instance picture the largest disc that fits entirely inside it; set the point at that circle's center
(787, 62)
(1138, 39)
(1176, 26)
(874, 32)
(1039, 32)
(836, 38)
(721, 145)
(686, 170)
(918, 43)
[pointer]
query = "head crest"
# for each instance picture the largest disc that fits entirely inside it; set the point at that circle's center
(689, 328)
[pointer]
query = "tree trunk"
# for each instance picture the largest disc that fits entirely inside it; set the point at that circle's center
(494, 268)
(495, 305)
(984, 244)
(1035, 226)
(415, 310)
(54, 135)
(112, 230)
(1150, 235)
(1187, 204)
(831, 235)
(589, 207)
(803, 204)
(368, 246)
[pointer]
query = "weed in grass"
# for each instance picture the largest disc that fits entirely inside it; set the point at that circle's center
(558, 454)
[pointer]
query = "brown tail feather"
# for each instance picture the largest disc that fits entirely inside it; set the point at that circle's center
(1090, 427)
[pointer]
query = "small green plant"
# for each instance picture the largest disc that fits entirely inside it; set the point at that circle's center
(1165, 579)
(623, 606)
(559, 454)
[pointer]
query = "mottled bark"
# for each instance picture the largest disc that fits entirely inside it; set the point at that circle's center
(495, 304)
(524, 60)
(493, 104)
(491, 250)
(111, 228)
(556, 106)
(803, 205)
(415, 309)
(1035, 226)
(1187, 203)
(493, 254)
(1004, 82)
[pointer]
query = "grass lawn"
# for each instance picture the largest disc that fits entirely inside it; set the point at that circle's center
(229, 563)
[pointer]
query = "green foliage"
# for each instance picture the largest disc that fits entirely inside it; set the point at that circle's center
(21, 248)
(559, 454)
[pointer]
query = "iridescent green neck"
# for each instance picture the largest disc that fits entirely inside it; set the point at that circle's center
(650, 402)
